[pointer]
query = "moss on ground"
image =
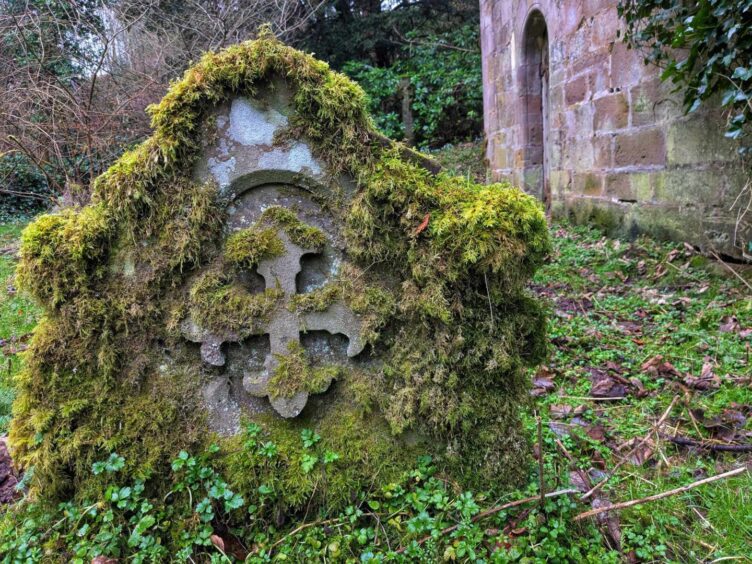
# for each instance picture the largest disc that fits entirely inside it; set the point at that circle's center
(455, 330)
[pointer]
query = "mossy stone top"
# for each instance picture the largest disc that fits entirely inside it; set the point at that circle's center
(267, 257)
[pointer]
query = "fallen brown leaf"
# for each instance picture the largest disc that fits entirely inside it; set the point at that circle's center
(604, 386)
(543, 382)
(660, 368)
(423, 224)
(729, 324)
(217, 541)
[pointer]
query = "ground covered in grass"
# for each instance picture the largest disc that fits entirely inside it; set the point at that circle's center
(18, 315)
(648, 388)
(636, 328)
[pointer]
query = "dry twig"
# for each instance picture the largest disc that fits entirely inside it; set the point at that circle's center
(633, 502)
(716, 447)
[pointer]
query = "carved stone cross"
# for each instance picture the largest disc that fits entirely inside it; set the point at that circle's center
(284, 327)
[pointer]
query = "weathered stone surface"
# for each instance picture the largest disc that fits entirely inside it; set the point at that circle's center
(254, 173)
(608, 114)
(611, 112)
(640, 148)
(231, 285)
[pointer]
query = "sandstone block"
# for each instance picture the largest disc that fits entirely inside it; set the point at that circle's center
(698, 138)
(641, 148)
(611, 112)
(577, 90)
(588, 184)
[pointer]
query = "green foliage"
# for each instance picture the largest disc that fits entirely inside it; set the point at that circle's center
(446, 88)
(465, 159)
(679, 297)
(124, 521)
(28, 192)
(705, 47)
(615, 305)
(374, 32)
(401, 522)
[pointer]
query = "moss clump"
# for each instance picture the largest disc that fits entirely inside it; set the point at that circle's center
(374, 304)
(247, 247)
(220, 304)
(349, 426)
(303, 235)
(62, 254)
(67, 416)
(439, 268)
(294, 374)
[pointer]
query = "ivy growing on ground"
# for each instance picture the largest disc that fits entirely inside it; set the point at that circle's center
(201, 519)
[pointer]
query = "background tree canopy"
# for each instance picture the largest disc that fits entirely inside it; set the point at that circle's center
(75, 77)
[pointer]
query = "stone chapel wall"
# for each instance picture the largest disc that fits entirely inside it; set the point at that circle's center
(615, 144)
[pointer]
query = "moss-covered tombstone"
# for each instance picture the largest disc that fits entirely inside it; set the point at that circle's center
(266, 263)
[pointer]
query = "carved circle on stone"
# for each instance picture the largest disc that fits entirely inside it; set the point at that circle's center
(297, 270)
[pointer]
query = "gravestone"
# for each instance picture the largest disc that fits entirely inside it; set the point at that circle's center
(268, 263)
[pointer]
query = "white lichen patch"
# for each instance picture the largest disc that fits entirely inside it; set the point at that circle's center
(296, 159)
(250, 125)
(222, 170)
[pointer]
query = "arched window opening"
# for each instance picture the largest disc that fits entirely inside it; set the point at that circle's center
(535, 77)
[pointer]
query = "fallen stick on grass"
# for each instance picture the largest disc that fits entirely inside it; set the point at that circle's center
(625, 504)
(734, 272)
(685, 441)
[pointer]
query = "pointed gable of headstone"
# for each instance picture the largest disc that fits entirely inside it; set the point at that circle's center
(266, 263)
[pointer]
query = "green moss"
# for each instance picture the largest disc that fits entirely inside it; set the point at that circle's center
(436, 271)
(61, 254)
(218, 303)
(348, 426)
(304, 236)
(374, 304)
(247, 247)
(294, 374)
(60, 434)
(317, 300)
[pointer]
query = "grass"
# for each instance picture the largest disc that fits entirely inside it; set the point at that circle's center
(18, 315)
(615, 306)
